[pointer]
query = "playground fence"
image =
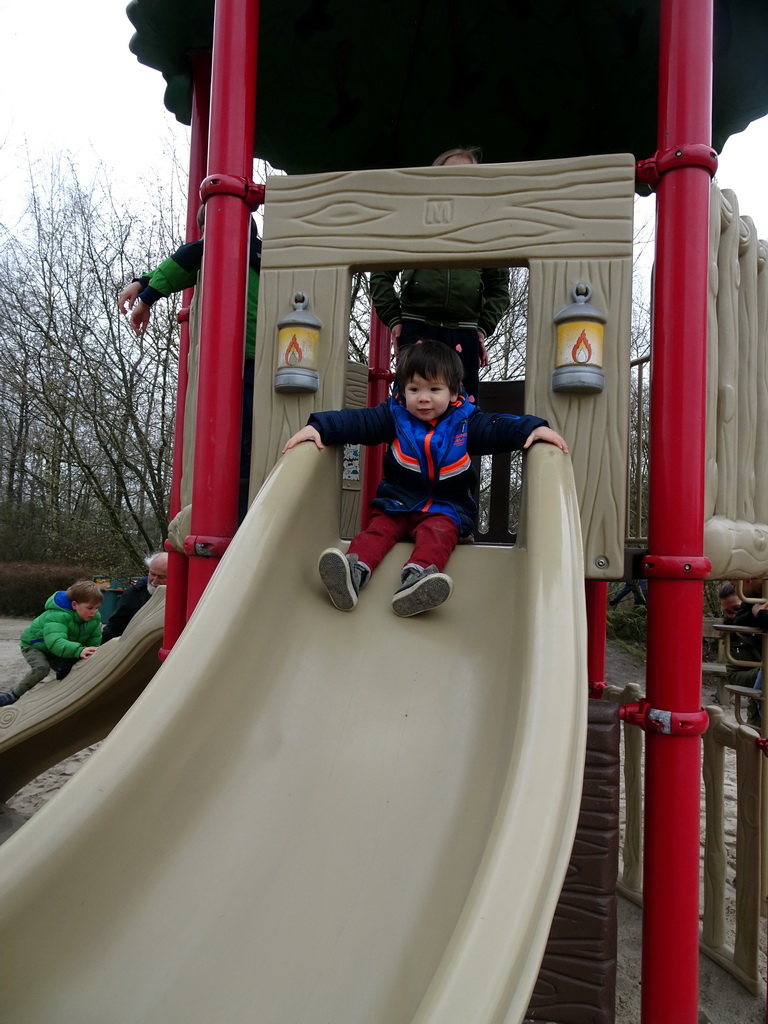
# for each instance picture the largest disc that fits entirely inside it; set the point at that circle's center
(736, 948)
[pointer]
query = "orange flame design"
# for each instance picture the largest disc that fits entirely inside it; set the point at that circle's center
(582, 350)
(293, 353)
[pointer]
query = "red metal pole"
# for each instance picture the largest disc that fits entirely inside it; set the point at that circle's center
(675, 564)
(379, 379)
(225, 276)
(597, 597)
(176, 590)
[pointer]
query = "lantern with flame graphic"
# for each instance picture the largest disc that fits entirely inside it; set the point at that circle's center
(579, 367)
(297, 337)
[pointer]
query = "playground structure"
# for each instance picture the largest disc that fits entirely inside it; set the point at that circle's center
(675, 566)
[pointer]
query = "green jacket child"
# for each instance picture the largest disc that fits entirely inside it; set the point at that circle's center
(68, 630)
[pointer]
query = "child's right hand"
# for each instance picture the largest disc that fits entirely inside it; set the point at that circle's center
(305, 434)
(88, 651)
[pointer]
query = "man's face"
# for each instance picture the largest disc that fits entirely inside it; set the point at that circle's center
(730, 607)
(158, 571)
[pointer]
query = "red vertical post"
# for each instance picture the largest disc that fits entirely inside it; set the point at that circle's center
(596, 598)
(675, 565)
(176, 590)
(379, 378)
(225, 277)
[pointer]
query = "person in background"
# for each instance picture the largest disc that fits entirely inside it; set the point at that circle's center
(460, 307)
(730, 603)
(749, 647)
(180, 271)
(67, 631)
(427, 493)
(637, 588)
(136, 596)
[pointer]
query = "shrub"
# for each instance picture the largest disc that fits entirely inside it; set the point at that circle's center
(25, 586)
(628, 624)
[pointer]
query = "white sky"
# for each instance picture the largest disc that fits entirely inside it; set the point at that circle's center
(69, 82)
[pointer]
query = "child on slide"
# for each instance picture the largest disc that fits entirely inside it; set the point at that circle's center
(427, 492)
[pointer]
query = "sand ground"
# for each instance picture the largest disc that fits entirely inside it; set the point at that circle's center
(721, 999)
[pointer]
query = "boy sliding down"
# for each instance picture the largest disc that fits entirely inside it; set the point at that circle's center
(427, 492)
(69, 629)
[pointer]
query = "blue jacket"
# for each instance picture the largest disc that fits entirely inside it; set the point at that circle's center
(427, 466)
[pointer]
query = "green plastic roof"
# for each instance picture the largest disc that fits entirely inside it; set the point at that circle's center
(345, 84)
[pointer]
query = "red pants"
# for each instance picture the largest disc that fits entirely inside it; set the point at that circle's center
(435, 537)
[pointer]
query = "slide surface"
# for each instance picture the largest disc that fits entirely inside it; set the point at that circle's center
(59, 717)
(313, 816)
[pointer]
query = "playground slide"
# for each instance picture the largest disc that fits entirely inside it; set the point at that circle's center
(58, 718)
(315, 816)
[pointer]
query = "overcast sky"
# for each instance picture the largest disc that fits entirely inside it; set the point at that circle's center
(69, 82)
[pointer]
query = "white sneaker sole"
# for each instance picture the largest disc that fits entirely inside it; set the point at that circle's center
(337, 579)
(426, 593)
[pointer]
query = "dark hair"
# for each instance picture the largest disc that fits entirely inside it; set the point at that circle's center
(431, 360)
(727, 590)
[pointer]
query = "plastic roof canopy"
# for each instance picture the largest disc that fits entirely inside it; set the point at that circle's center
(392, 83)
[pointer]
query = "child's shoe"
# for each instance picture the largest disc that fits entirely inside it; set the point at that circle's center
(343, 576)
(8, 698)
(421, 590)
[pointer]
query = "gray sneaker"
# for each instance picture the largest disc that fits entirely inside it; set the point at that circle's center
(421, 590)
(8, 698)
(343, 577)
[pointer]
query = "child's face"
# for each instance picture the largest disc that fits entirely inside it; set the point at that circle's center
(85, 610)
(427, 399)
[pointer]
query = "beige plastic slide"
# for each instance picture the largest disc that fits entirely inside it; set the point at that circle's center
(311, 816)
(58, 718)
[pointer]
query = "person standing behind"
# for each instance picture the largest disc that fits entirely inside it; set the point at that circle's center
(750, 647)
(180, 271)
(136, 596)
(460, 307)
(68, 630)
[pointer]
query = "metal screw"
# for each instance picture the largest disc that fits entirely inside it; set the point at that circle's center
(601, 562)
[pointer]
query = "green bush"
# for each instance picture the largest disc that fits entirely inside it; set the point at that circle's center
(628, 623)
(25, 586)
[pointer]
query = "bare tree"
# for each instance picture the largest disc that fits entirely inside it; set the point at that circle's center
(86, 407)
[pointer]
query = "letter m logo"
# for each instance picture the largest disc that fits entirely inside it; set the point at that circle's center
(438, 211)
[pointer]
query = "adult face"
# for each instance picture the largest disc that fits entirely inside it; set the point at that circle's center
(158, 571)
(730, 607)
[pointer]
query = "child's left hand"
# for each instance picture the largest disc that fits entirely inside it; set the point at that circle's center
(549, 435)
(307, 433)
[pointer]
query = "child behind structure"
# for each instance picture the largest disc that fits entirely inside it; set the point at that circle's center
(427, 494)
(69, 629)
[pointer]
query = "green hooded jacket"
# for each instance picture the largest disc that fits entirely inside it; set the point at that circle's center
(60, 630)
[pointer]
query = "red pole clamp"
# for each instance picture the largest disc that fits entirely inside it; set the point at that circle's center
(206, 547)
(233, 185)
(381, 375)
(596, 690)
(669, 723)
(674, 567)
(649, 172)
(183, 315)
(762, 745)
